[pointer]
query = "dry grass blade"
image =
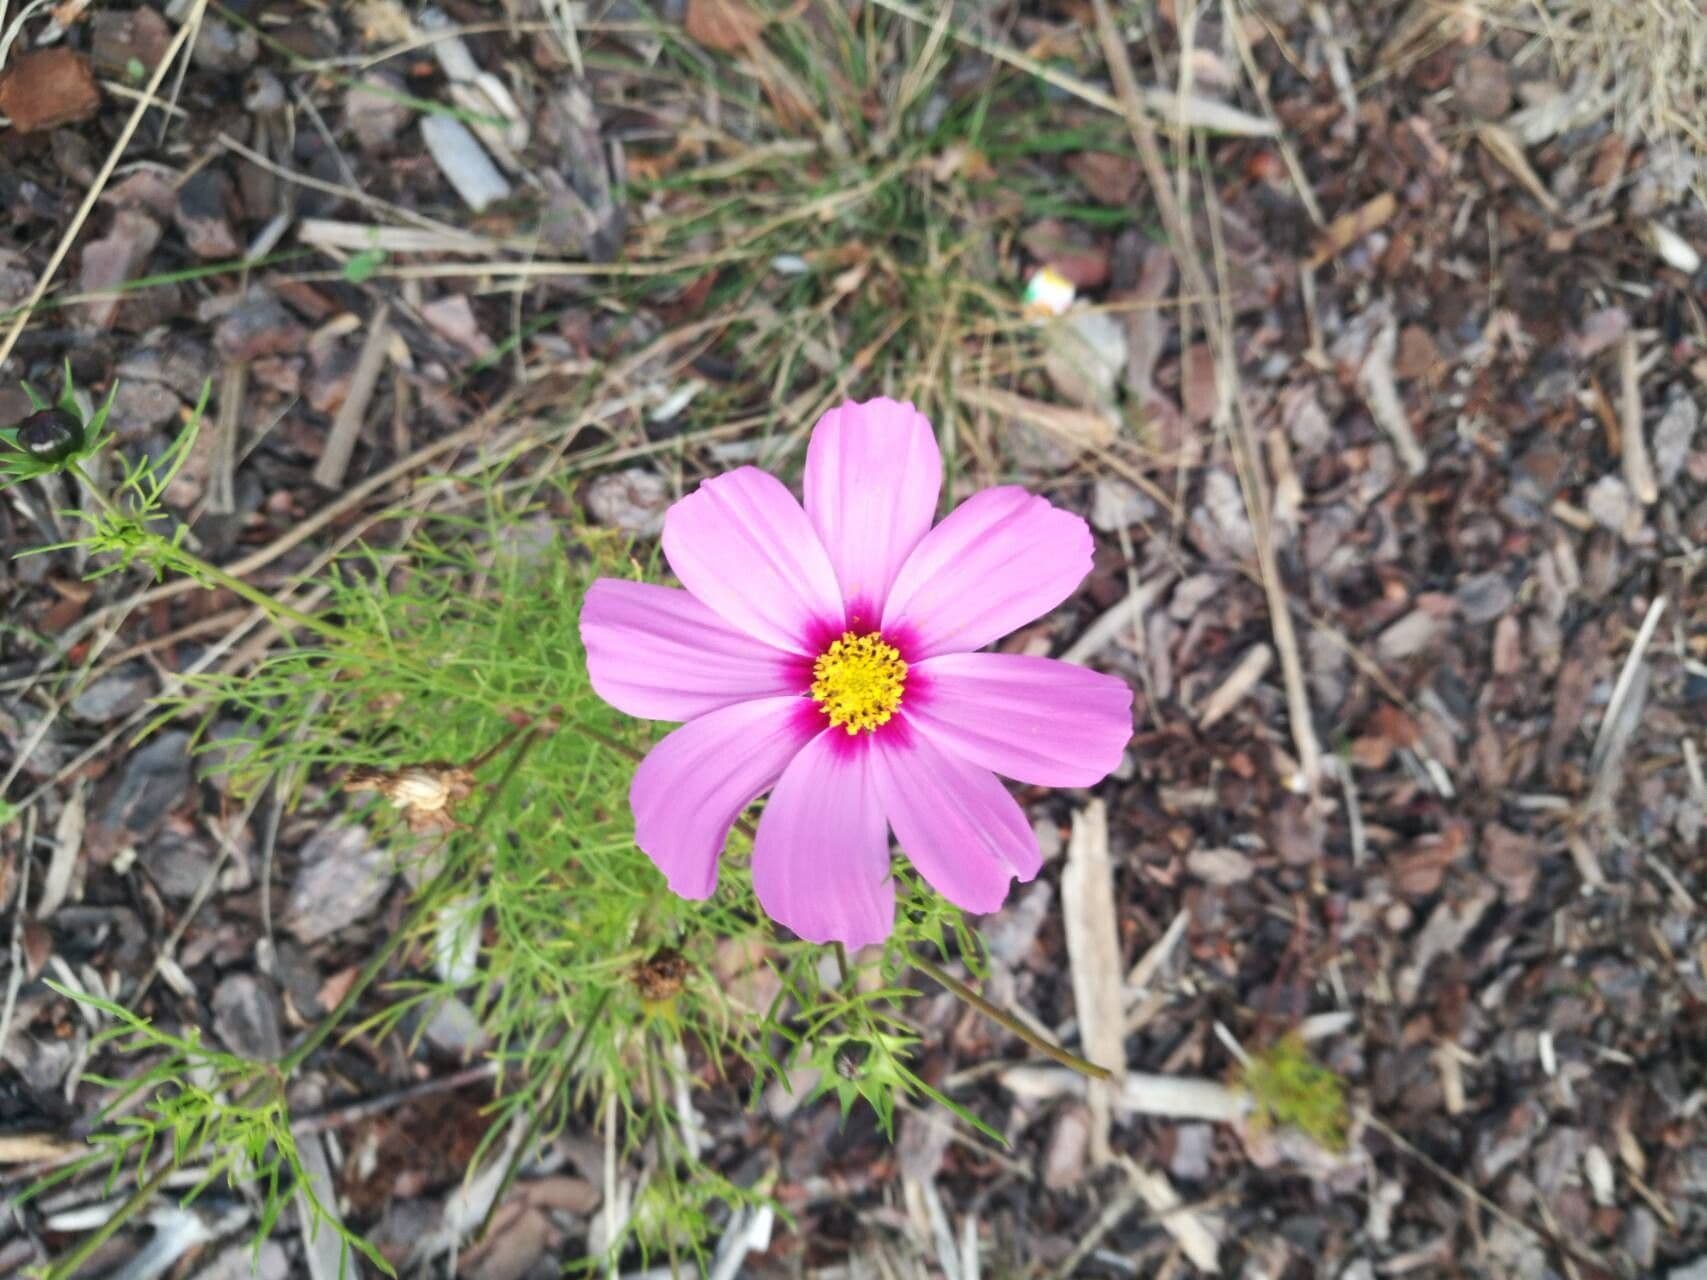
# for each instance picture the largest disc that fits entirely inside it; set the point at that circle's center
(1080, 427)
(1216, 328)
(1509, 152)
(1623, 712)
(1626, 679)
(1239, 682)
(1125, 614)
(1645, 62)
(1380, 387)
(1180, 111)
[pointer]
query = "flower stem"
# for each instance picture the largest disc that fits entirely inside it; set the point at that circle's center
(966, 995)
(536, 1122)
(166, 553)
(73, 1261)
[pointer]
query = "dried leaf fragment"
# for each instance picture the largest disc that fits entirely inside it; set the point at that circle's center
(425, 793)
(1347, 229)
(728, 26)
(661, 975)
(47, 88)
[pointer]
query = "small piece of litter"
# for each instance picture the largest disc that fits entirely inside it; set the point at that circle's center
(1048, 293)
(1673, 249)
(464, 162)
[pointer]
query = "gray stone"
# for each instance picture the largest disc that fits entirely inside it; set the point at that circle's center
(341, 877)
(153, 778)
(1674, 436)
(1484, 598)
(115, 695)
(246, 1017)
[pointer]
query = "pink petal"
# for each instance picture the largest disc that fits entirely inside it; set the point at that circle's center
(821, 860)
(1036, 720)
(657, 653)
(1000, 559)
(692, 786)
(872, 476)
(743, 546)
(955, 822)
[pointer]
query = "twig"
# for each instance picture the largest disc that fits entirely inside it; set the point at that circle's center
(347, 424)
(361, 1109)
(221, 481)
(1638, 466)
(1256, 495)
(1094, 961)
(191, 23)
(1244, 676)
(1626, 681)
(1463, 1188)
(966, 995)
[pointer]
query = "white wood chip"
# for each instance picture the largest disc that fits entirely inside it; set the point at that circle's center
(322, 1247)
(1196, 1238)
(1239, 682)
(1597, 1168)
(1183, 1098)
(464, 162)
(1673, 249)
(358, 237)
(1193, 111)
(750, 1232)
(67, 844)
(1041, 1084)
(1093, 948)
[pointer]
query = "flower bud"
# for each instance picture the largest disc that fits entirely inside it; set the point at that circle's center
(52, 435)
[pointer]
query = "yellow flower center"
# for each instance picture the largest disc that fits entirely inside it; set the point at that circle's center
(858, 680)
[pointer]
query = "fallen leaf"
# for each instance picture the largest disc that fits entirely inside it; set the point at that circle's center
(1200, 391)
(1069, 250)
(1219, 866)
(1512, 859)
(48, 88)
(1108, 177)
(728, 26)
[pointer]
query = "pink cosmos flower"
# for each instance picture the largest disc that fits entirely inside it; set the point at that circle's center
(826, 655)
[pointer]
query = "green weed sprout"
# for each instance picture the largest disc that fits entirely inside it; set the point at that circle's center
(1289, 1087)
(443, 689)
(198, 1103)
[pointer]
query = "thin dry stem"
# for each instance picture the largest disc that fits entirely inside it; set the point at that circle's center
(191, 23)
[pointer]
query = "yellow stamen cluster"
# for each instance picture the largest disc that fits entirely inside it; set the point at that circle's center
(858, 680)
